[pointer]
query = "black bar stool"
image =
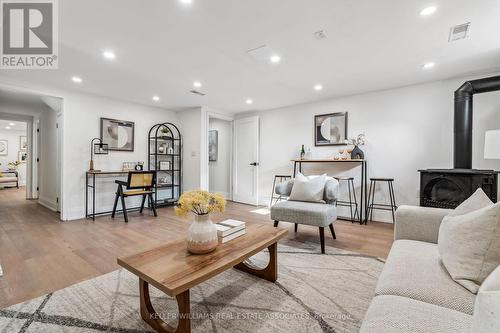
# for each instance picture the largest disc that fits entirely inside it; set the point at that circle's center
(352, 197)
(371, 197)
(274, 197)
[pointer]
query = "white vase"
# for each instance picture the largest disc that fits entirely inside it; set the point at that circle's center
(202, 235)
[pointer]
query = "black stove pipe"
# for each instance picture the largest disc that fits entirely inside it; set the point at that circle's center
(462, 145)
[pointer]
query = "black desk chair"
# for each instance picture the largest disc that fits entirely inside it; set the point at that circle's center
(138, 183)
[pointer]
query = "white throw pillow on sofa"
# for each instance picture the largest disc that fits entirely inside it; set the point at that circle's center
(469, 243)
(308, 189)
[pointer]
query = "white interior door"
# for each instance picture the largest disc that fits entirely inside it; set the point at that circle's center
(246, 161)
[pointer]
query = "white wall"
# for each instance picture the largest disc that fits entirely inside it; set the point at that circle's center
(407, 129)
(13, 138)
(190, 122)
(82, 113)
(220, 170)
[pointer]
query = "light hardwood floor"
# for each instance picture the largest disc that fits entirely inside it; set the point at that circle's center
(39, 254)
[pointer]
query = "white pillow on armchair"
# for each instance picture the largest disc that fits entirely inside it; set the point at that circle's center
(309, 189)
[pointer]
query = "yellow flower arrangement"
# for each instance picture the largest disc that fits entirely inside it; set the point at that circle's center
(200, 202)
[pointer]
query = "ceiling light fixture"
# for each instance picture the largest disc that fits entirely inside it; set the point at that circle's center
(156, 98)
(110, 55)
(318, 87)
(197, 84)
(275, 59)
(428, 11)
(429, 65)
(187, 2)
(249, 101)
(11, 124)
(76, 79)
(7, 127)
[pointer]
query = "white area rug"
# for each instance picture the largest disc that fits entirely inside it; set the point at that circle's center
(314, 293)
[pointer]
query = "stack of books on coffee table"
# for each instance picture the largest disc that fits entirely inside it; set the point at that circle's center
(230, 229)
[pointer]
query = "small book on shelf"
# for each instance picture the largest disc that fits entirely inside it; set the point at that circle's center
(229, 229)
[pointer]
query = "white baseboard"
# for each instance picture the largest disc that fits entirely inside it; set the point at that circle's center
(50, 204)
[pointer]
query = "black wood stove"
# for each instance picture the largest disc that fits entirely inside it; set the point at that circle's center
(448, 188)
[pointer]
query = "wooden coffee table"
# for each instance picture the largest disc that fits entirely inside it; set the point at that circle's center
(173, 270)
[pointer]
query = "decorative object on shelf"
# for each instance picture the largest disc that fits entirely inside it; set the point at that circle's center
(330, 129)
(118, 134)
(213, 145)
(128, 166)
(308, 154)
(23, 142)
(166, 161)
(202, 234)
(164, 165)
(97, 147)
(302, 153)
(4, 147)
(22, 156)
(162, 148)
(165, 131)
(139, 166)
(357, 153)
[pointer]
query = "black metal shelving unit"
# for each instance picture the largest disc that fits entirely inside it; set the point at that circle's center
(165, 157)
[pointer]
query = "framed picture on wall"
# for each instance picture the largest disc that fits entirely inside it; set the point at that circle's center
(164, 165)
(213, 145)
(23, 142)
(117, 134)
(22, 156)
(4, 147)
(330, 129)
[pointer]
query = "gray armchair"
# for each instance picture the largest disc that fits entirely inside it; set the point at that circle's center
(316, 214)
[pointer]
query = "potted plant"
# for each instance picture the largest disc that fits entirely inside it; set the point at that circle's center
(202, 234)
(13, 165)
(357, 153)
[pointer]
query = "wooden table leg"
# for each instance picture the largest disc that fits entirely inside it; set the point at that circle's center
(150, 316)
(269, 273)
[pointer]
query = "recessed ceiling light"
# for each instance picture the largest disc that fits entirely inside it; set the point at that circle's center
(156, 98)
(110, 55)
(7, 127)
(428, 11)
(197, 84)
(76, 79)
(186, 2)
(275, 59)
(11, 124)
(249, 101)
(318, 87)
(429, 65)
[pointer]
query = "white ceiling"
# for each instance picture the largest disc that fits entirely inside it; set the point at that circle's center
(18, 125)
(163, 46)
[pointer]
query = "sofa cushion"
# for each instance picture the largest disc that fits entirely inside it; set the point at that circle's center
(308, 189)
(413, 270)
(317, 214)
(391, 314)
(487, 307)
(8, 179)
(469, 244)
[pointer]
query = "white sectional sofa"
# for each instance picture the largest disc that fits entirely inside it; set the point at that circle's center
(415, 293)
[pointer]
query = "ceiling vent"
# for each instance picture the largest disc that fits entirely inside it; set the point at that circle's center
(460, 31)
(196, 92)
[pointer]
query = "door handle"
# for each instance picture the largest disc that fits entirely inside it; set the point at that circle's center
(254, 164)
